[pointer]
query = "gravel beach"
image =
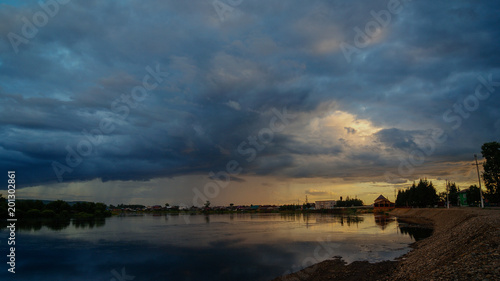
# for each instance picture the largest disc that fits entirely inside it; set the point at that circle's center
(465, 245)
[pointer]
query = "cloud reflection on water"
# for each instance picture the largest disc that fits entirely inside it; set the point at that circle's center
(228, 247)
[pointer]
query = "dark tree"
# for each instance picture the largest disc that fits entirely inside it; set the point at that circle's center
(58, 207)
(207, 205)
(442, 196)
(422, 194)
(306, 206)
(349, 202)
(290, 207)
(402, 200)
(491, 174)
(453, 194)
(473, 196)
(84, 207)
(3, 207)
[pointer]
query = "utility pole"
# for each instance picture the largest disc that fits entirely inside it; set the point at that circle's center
(479, 180)
(447, 199)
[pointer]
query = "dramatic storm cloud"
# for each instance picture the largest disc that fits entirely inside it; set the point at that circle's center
(297, 97)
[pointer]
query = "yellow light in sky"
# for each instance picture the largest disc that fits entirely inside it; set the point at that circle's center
(349, 126)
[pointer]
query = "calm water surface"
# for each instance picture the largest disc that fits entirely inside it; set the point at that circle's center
(199, 247)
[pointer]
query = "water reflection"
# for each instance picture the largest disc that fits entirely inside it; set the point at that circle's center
(29, 225)
(416, 232)
(88, 223)
(35, 225)
(383, 220)
(209, 247)
(319, 218)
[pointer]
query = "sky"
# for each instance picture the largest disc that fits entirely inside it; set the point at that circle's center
(244, 101)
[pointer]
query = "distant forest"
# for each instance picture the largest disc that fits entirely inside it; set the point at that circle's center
(56, 209)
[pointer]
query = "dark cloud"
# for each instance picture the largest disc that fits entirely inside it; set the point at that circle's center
(317, 192)
(350, 130)
(398, 139)
(226, 77)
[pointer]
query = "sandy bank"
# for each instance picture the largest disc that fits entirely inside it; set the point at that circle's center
(464, 246)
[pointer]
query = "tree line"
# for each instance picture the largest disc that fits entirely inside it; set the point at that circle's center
(349, 202)
(306, 206)
(55, 209)
(491, 174)
(424, 194)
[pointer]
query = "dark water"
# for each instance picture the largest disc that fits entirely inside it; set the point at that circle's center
(198, 247)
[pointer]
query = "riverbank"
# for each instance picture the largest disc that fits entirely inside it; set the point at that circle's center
(465, 245)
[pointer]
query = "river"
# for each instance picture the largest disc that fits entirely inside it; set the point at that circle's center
(200, 247)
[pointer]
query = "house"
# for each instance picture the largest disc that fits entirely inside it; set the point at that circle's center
(462, 197)
(326, 204)
(268, 208)
(382, 204)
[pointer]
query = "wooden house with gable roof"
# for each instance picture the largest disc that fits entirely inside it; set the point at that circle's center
(382, 204)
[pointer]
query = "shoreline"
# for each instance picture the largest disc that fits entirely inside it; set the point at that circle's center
(465, 245)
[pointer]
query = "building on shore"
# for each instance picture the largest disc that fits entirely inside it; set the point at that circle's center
(325, 204)
(462, 197)
(382, 204)
(268, 208)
